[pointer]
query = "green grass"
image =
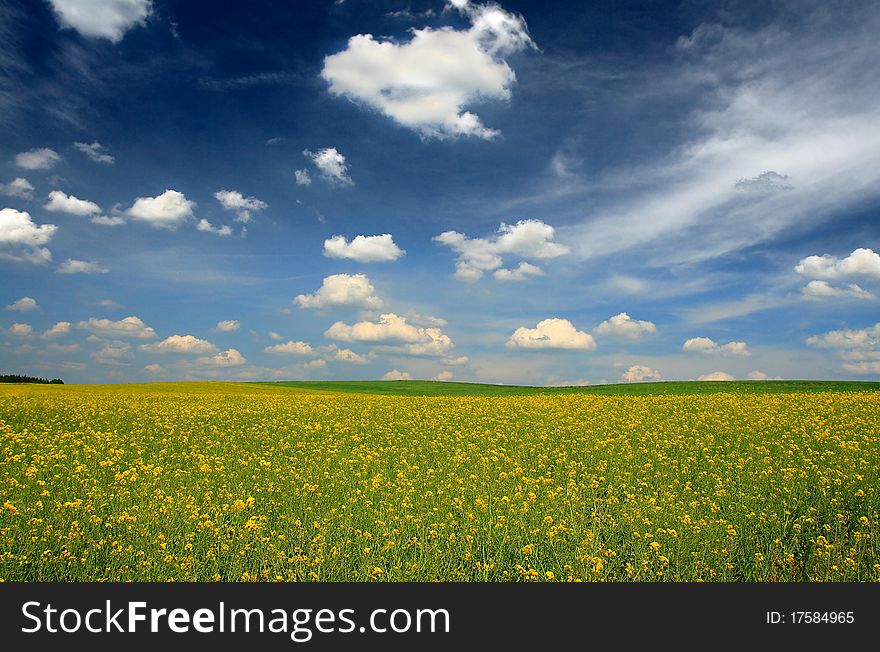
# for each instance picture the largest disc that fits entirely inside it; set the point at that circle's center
(434, 388)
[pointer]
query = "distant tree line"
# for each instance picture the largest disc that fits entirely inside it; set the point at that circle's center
(15, 378)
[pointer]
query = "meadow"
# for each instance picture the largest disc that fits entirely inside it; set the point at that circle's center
(404, 482)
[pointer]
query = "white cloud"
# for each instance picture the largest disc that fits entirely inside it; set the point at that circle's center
(341, 290)
(153, 368)
(20, 238)
(227, 358)
(860, 339)
(331, 166)
(233, 200)
(109, 19)
(444, 375)
(349, 356)
(757, 375)
(394, 330)
(394, 374)
(520, 273)
(302, 176)
(60, 202)
(863, 367)
(41, 158)
(716, 375)
(105, 220)
(71, 266)
(551, 334)
(708, 346)
(180, 344)
(167, 211)
(18, 187)
(364, 248)
(824, 290)
(95, 152)
(114, 353)
(20, 330)
(127, 327)
(223, 231)
(227, 326)
(315, 364)
(427, 82)
(861, 262)
(526, 239)
(275, 336)
(640, 373)
(622, 325)
(62, 348)
(291, 348)
(23, 305)
(60, 329)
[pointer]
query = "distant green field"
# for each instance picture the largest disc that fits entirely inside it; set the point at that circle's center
(434, 388)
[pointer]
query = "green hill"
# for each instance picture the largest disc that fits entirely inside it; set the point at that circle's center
(434, 388)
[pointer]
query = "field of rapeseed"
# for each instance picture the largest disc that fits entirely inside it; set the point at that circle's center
(245, 482)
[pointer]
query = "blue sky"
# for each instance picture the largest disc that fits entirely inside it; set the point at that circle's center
(517, 193)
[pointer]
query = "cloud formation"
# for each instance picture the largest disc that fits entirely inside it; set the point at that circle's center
(96, 152)
(427, 82)
(39, 158)
(227, 326)
(622, 325)
(341, 290)
(394, 330)
(21, 239)
(131, 326)
(24, 304)
(531, 239)
(364, 248)
(109, 19)
(707, 346)
(330, 164)
(551, 334)
(71, 266)
(59, 202)
(180, 344)
(166, 211)
(716, 376)
(291, 348)
(19, 187)
(640, 374)
(233, 200)
(394, 374)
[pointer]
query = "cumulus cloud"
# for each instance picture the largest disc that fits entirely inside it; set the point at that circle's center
(96, 152)
(622, 325)
(394, 330)
(364, 248)
(59, 202)
(520, 273)
(207, 227)
(166, 211)
(341, 290)
(19, 187)
(40, 158)
(707, 346)
(233, 200)
(20, 330)
(108, 220)
(394, 374)
(531, 239)
(302, 176)
(60, 329)
(716, 375)
(331, 166)
(227, 326)
(859, 348)
(551, 334)
(349, 356)
(128, 327)
(21, 239)
(180, 344)
(227, 358)
(71, 266)
(275, 336)
(109, 19)
(824, 290)
(861, 262)
(114, 353)
(23, 305)
(291, 348)
(640, 373)
(427, 82)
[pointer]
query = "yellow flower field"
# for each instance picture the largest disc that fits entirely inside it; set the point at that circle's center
(228, 482)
